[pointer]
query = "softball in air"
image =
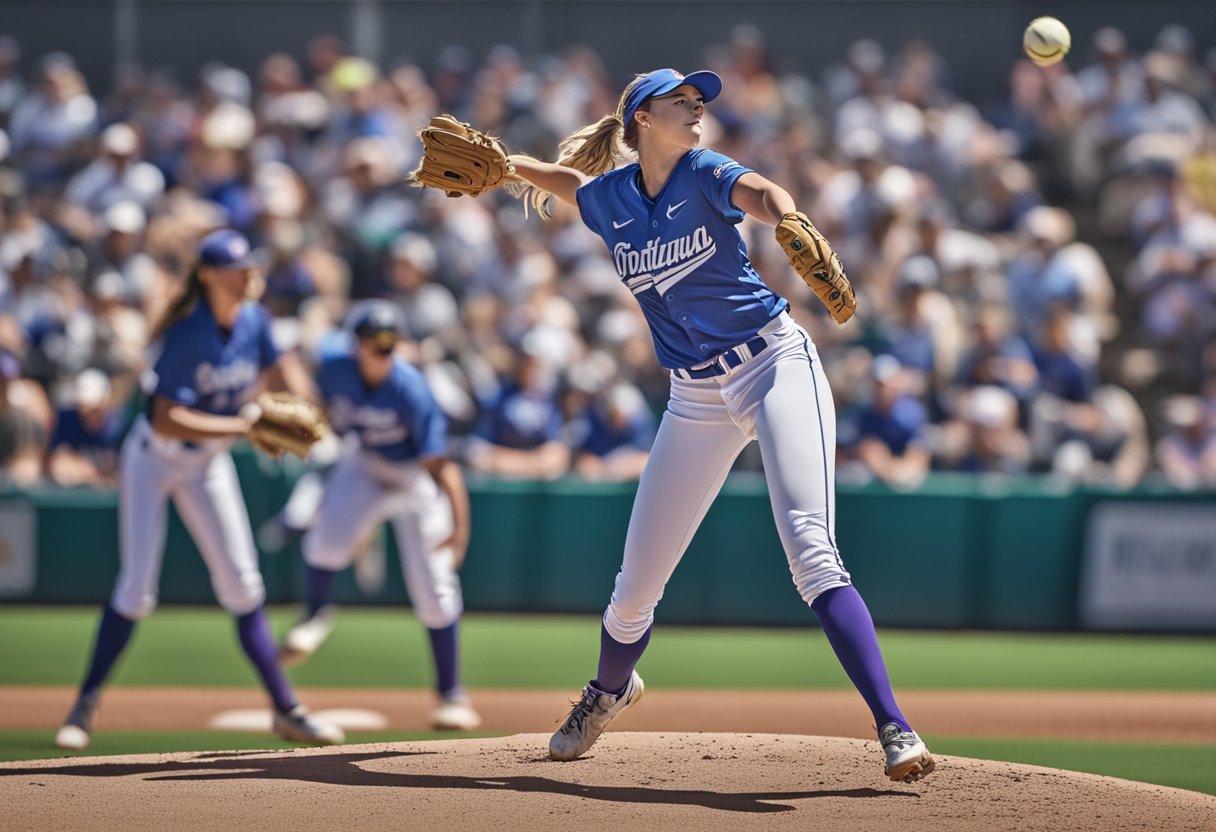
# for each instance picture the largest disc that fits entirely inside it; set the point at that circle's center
(1046, 41)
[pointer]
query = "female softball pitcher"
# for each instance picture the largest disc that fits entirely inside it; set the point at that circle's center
(741, 370)
(214, 349)
(396, 468)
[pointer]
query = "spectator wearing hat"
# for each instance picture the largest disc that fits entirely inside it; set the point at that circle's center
(907, 333)
(612, 437)
(891, 429)
(88, 434)
(1039, 279)
(429, 308)
(120, 251)
(117, 175)
(984, 437)
(519, 435)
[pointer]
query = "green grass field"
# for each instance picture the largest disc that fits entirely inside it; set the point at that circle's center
(387, 648)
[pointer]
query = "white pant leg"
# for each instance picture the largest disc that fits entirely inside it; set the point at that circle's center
(212, 507)
(795, 424)
(144, 482)
(692, 454)
(354, 502)
(429, 569)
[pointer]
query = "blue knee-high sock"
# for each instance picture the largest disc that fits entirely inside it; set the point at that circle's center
(320, 586)
(113, 633)
(617, 660)
(445, 649)
(254, 632)
(850, 630)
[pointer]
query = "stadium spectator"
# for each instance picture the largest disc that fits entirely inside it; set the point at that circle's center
(88, 433)
(1187, 452)
(25, 420)
(520, 435)
(611, 439)
(891, 431)
(967, 233)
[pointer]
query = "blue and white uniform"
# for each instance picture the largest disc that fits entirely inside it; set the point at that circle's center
(389, 429)
(741, 370)
(205, 368)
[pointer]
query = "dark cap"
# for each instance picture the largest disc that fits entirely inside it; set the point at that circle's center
(378, 321)
(226, 249)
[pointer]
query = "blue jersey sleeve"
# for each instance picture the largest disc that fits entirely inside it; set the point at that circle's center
(176, 366)
(716, 175)
(428, 426)
(588, 207)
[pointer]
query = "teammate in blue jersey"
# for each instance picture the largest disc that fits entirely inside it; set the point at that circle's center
(395, 467)
(741, 370)
(214, 351)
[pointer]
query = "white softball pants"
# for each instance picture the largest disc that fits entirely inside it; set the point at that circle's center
(779, 398)
(203, 485)
(362, 491)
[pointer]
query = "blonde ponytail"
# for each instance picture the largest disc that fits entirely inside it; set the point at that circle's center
(593, 150)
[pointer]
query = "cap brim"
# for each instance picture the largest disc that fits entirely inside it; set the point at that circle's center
(707, 83)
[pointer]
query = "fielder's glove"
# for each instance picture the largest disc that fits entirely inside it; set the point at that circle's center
(460, 160)
(285, 422)
(817, 264)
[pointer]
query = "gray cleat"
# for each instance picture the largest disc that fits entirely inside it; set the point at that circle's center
(298, 725)
(908, 759)
(590, 716)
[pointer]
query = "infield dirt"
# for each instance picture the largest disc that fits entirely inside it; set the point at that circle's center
(630, 781)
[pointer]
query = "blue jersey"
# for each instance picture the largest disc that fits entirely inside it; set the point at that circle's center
(207, 368)
(596, 434)
(682, 256)
(99, 444)
(399, 420)
(522, 419)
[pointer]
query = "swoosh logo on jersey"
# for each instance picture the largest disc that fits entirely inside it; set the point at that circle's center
(672, 210)
(619, 225)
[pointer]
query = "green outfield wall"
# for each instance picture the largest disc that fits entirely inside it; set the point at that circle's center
(957, 552)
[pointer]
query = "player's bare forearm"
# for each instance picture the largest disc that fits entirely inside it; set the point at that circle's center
(758, 197)
(176, 421)
(559, 180)
(450, 479)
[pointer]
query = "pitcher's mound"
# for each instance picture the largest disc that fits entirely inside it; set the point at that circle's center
(630, 781)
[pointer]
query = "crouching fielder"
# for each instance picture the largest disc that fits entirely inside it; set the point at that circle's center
(214, 348)
(741, 371)
(396, 468)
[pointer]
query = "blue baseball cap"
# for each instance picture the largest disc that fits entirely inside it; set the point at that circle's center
(379, 321)
(226, 249)
(663, 81)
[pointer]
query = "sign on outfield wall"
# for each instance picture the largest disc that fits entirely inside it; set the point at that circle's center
(1149, 566)
(18, 552)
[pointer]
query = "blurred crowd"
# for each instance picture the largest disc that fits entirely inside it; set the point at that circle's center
(1036, 276)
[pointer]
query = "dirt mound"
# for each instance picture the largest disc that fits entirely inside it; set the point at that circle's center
(631, 781)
